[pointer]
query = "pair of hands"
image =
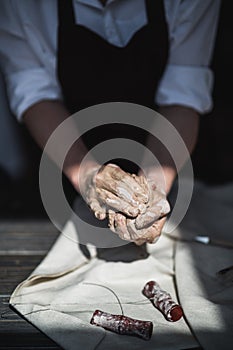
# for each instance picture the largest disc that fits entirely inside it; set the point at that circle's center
(136, 209)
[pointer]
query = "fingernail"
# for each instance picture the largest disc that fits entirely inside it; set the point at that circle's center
(99, 215)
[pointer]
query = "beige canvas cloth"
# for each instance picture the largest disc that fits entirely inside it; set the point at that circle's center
(204, 273)
(58, 300)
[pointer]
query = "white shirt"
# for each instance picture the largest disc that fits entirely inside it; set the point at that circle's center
(28, 46)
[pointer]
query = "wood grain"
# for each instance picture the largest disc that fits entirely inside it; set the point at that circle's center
(22, 247)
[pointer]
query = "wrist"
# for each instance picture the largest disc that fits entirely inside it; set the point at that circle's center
(78, 173)
(163, 176)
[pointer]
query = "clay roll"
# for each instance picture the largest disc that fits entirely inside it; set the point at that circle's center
(123, 325)
(162, 300)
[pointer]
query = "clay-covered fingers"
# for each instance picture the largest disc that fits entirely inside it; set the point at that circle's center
(98, 209)
(141, 180)
(157, 207)
(88, 191)
(111, 220)
(120, 190)
(126, 229)
(146, 235)
(119, 205)
(117, 223)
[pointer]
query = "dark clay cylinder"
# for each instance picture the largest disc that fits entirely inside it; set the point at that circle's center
(122, 324)
(162, 301)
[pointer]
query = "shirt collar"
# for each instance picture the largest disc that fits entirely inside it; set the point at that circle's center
(95, 3)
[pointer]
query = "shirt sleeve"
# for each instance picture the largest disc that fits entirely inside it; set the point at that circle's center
(28, 80)
(187, 79)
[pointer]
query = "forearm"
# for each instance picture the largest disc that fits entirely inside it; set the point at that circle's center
(42, 119)
(186, 122)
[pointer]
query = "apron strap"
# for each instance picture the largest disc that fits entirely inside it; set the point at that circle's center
(155, 12)
(65, 10)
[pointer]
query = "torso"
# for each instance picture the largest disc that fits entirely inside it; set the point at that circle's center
(93, 71)
(103, 2)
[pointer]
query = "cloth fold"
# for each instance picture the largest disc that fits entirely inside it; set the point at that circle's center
(206, 294)
(61, 294)
(57, 298)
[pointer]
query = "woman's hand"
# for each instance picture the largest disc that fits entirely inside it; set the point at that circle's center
(135, 207)
(148, 224)
(108, 188)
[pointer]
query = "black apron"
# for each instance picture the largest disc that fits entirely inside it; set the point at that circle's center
(93, 71)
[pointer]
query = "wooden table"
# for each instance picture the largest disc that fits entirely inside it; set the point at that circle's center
(22, 246)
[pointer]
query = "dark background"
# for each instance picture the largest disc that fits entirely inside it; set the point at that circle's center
(212, 158)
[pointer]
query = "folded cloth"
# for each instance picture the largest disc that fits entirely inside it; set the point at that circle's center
(204, 295)
(62, 293)
(203, 271)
